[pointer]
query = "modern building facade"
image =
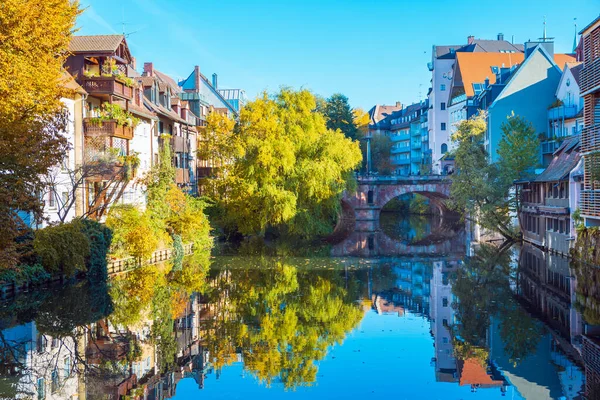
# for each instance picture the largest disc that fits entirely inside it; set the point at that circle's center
(590, 135)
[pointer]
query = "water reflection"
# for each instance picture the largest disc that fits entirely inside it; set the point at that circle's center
(289, 320)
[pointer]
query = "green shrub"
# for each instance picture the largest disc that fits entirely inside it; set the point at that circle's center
(34, 274)
(62, 248)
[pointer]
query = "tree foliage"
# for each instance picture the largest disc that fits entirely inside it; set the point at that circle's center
(62, 248)
(340, 115)
(286, 167)
(482, 189)
(132, 232)
(34, 38)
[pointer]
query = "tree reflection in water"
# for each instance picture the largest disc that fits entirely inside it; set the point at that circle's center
(279, 317)
(482, 287)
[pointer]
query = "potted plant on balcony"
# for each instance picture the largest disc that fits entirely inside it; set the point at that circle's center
(556, 103)
(113, 112)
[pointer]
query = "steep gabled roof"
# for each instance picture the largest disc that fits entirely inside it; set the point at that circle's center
(95, 43)
(476, 67)
(168, 80)
(575, 70)
(565, 158)
(523, 66)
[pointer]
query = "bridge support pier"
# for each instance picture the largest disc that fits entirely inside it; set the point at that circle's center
(367, 218)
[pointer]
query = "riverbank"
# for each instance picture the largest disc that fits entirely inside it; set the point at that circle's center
(9, 290)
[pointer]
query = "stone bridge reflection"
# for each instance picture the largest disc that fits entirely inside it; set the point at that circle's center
(447, 240)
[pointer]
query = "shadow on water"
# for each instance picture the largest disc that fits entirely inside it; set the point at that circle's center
(274, 317)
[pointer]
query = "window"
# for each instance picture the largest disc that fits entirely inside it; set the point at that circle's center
(443, 106)
(370, 197)
(64, 165)
(445, 340)
(445, 322)
(442, 87)
(65, 198)
(41, 389)
(51, 199)
(445, 302)
(443, 126)
(444, 148)
(67, 368)
(54, 382)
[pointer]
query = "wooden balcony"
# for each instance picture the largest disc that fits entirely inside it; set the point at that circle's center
(106, 128)
(180, 144)
(590, 138)
(182, 176)
(105, 86)
(590, 203)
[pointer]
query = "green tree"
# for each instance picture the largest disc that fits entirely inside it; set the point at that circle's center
(482, 189)
(287, 169)
(381, 150)
(340, 116)
(34, 39)
(62, 248)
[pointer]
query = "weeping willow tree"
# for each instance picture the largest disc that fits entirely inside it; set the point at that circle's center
(585, 259)
(284, 168)
(283, 320)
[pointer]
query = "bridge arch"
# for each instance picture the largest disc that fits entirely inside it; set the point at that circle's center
(374, 192)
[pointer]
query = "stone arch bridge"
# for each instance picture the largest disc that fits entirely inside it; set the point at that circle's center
(374, 192)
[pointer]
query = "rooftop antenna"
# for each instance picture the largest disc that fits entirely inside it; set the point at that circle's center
(123, 23)
(575, 36)
(545, 38)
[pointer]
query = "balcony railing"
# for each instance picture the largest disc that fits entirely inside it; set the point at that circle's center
(106, 128)
(107, 85)
(560, 112)
(182, 175)
(590, 138)
(180, 144)
(590, 76)
(590, 203)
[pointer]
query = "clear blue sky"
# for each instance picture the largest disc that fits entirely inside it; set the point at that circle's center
(373, 51)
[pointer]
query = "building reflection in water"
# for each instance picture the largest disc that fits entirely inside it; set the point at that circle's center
(499, 322)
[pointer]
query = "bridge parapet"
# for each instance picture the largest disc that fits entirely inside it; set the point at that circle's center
(401, 180)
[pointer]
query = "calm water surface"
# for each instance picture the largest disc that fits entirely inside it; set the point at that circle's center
(402, 313)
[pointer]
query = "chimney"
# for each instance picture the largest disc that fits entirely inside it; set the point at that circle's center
(132, 62)
(214, 81)
(197, 77)
(501, 36)
(487, 82)
(148, 69)
(398, 104)
(470, 39)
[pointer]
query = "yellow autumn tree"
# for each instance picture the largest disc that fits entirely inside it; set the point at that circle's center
(286, 168)
(34, 38)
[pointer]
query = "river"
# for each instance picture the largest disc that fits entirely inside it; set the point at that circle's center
(402, 312)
